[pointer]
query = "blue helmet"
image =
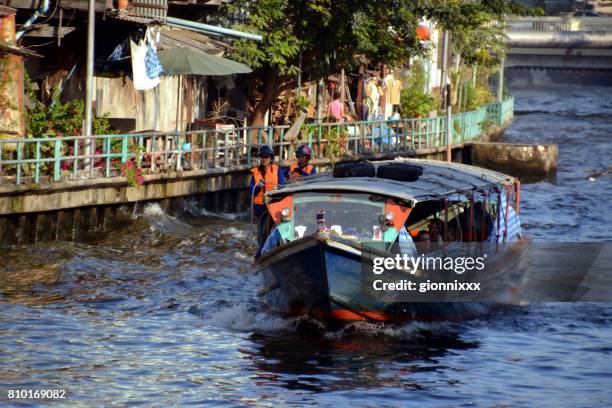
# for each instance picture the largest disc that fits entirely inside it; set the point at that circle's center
(265, 150)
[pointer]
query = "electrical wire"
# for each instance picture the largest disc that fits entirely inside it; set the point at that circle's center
(39, 45)
(52, 41)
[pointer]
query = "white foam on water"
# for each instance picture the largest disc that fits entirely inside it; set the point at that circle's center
(226, 216)
(193, 208)
(153, 210)
(242, 318)
(242, 256)
(235, 232)
(405, 331)
(165, 223)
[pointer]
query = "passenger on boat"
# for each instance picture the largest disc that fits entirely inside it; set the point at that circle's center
(451, 235)
(301, 168)
(423, 241)
(435, 231)
(265, 177)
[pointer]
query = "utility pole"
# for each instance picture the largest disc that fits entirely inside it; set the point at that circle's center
(444, 66)
(500, 82)
(299, 78)
(445, 88)
(342, 86)
(320, 100)
(89, 143)
(449, 122)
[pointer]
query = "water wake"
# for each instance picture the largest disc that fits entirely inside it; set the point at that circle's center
(166, 224)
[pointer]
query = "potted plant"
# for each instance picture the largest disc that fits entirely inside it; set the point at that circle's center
(122, 5)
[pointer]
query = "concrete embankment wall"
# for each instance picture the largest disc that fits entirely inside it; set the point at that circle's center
(72, 209)
(77, 208)
(529, 162)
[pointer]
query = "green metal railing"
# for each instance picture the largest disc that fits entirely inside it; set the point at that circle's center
(27, 161)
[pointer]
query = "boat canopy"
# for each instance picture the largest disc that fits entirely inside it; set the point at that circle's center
(437, 180)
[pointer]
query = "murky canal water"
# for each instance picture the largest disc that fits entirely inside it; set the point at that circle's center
(164, 312)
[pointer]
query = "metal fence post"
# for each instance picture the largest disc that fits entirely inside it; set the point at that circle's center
(226, 153)
(37, 169)
(19, 157)
(57, 158)
(124, 149)
(107, 147)
(75, 164)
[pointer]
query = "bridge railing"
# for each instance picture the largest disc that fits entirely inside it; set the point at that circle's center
(34, 160)
(554, 24)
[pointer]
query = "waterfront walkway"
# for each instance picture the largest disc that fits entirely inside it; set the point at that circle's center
(47, 190)
(140, 157)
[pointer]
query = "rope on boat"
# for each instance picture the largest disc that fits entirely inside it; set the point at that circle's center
(252, 213)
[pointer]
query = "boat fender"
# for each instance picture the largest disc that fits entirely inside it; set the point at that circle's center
(364, 169)
(399, 172)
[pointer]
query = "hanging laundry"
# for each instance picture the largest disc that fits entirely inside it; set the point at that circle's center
(152, 62)
(388, 85)
(396, 91)
(372, 99)
(121, 52)
(139, 72)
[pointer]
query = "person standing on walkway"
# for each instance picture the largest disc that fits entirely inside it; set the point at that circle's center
(302, 168)
(336, 109)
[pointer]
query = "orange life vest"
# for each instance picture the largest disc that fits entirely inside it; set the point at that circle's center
(270, 178)
(296, 174)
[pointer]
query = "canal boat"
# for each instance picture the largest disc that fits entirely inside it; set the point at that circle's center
(323, 230)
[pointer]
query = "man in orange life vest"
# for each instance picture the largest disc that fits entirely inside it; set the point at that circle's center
(302, 168)
(265, 177)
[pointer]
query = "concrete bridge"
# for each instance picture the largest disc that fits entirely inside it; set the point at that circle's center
(571, 48)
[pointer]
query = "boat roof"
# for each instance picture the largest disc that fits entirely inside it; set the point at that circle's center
(439, 179)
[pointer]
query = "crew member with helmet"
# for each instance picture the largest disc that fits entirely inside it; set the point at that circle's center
(265, 177)
(302, 168)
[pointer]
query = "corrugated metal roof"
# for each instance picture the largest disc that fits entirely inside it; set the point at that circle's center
(131, 19)
(156, 9)
(173, 37)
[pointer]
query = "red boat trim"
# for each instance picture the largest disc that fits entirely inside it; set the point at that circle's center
(276, 208)
(400, 213)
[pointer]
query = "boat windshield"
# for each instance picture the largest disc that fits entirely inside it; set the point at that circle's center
(353, 216)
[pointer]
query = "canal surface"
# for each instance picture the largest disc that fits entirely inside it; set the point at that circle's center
(163, 311)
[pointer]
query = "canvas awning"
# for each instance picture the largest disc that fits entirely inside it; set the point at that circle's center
(189, 61)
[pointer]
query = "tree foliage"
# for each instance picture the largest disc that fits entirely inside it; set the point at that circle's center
(414, 101)
(323, 36)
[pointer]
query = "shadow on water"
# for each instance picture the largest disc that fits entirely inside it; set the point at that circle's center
(351, 359)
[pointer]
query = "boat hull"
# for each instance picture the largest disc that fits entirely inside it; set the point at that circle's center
(321, 278)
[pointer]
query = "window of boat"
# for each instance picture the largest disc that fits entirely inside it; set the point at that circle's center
(351, 215)
(451, 221)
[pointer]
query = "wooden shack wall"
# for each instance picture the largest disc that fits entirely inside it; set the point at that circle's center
(163, 108)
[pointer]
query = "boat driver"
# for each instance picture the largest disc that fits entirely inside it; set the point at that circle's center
(265, 177)
(301, 168)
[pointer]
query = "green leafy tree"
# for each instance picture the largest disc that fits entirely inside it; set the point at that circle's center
(334, 34)
(414, 101)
